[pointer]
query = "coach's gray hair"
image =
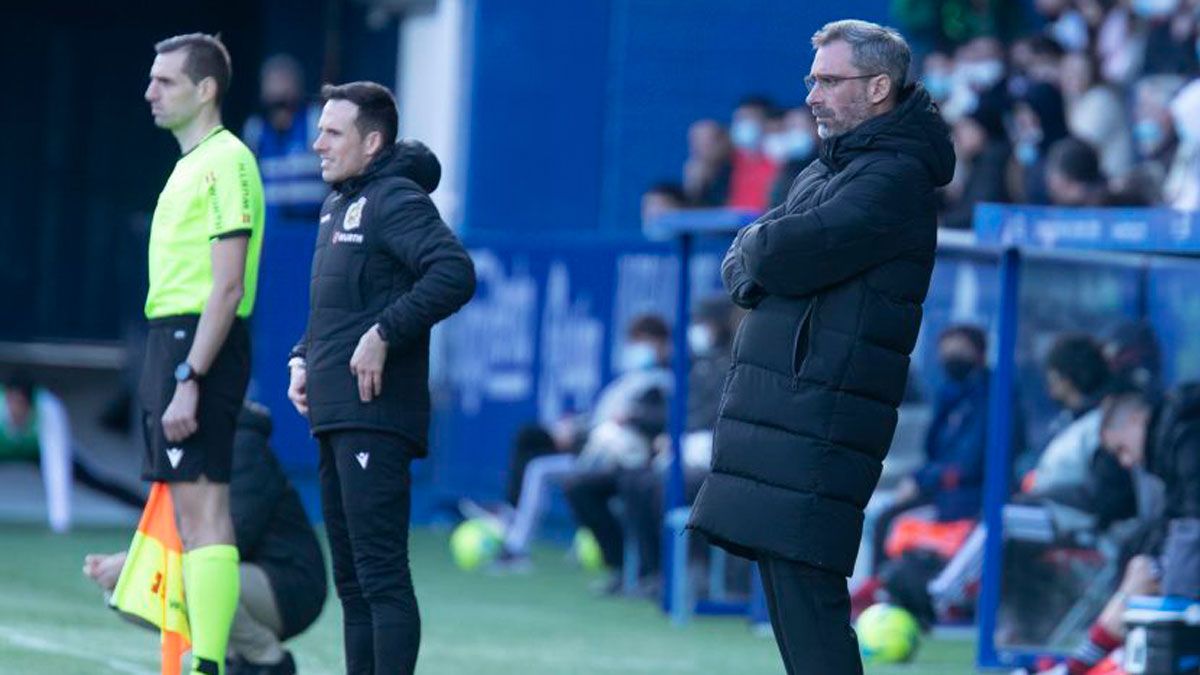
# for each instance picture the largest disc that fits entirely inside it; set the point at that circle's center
(874, 48)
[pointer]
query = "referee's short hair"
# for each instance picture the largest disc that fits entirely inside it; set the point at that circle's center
(376, 107)
(206, 57)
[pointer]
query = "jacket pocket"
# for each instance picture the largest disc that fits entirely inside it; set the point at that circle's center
(802, 338)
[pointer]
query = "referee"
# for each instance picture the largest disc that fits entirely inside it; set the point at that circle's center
(385, 270)
(204, 248)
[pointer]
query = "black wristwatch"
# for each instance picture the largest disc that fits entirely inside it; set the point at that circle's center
(184, 372)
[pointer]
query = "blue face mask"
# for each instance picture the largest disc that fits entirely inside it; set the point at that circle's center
(799, 144)
(638, 356)
(938, 86)
(1026, 153)
(746, 134)
(1148, 134)
(1154, 8)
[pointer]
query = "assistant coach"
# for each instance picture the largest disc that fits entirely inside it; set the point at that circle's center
(834, 280)
(385, 270)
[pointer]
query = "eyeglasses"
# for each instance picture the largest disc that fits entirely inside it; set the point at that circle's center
(830, 81)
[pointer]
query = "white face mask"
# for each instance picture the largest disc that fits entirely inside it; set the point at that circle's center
(981, 74)
(638, 356)
(700, 339)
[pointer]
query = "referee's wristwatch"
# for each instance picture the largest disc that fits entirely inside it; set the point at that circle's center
(184, 372)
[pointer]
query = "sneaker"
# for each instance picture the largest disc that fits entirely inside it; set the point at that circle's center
(509, 562)
(609, 586)
(285, 666)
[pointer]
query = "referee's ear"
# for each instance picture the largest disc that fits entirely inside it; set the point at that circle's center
(208, 90)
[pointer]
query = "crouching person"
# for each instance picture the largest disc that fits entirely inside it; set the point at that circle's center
(282, 570)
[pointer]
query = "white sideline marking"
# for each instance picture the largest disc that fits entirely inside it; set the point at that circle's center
(33, 642)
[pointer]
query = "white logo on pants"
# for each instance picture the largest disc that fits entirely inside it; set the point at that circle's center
(175, 455)
(362, 458)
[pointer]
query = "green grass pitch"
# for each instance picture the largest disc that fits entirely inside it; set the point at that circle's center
(52, 621)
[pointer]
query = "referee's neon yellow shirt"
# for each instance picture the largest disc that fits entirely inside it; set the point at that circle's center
(214, 192)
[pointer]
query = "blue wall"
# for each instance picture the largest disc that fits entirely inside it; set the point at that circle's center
(575, 108)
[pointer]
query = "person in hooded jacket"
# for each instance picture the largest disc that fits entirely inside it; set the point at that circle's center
(834, 280)
(385, 270)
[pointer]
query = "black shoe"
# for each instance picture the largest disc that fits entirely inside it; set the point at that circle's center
(286, 666)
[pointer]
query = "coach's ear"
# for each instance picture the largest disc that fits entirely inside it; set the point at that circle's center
(374, 142)
(879, 88)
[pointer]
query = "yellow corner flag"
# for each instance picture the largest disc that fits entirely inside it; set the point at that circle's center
(151, 583)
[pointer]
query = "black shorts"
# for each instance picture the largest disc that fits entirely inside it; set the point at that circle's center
(209, 451)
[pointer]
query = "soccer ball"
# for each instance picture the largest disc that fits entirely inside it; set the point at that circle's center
(887, 634)
(587, 551)
(474, 543)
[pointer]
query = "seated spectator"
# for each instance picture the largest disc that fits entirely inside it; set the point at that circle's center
(709, 164)
(983, 152)
(281, 570)
(1096, 113)
(1066, 24)
(979, 77)
(1134, 357)
(1039, 122)
(951, 478)
(1164, 439)
(1073, 176)
(1077, 378)
(661, 199)
(628, 414)
(1161, 439)
(1169, 37)
(1182, 188)
(793, 148)
(937, 74)
(34, 429)
(710, 337)
(281, 136)
(753, 171)
(1153, 128)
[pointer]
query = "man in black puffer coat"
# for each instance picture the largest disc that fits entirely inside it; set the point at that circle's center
(834, 280)
(385, 270)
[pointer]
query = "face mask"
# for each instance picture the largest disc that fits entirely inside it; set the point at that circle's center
(1148, 134)
(1071, 31)
(938, 85)
(746, 134)
(638, 356)
(982, 74)
(957, 369)
(700, 339)
(1154, 8)
(1026, 153)
(799, 144)
(775, 147)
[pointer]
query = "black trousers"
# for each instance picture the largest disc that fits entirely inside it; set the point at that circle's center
(810, 615)
(642, 491)
(365, 497)
(530, 443)
(588, 494)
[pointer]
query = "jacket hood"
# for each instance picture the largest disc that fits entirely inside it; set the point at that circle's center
(408, 158)
(914, 127)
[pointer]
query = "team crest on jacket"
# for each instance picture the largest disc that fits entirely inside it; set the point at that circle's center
(353, 216)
